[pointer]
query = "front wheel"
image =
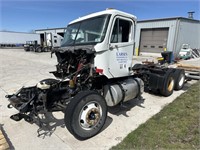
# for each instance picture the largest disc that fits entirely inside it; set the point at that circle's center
(86, 114)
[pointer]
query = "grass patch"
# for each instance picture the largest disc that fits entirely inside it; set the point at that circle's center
(175, 127)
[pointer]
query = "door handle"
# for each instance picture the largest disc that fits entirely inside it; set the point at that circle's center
(112, 47)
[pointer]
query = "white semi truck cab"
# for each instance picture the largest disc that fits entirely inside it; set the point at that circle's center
(110, 35)
(94, 71)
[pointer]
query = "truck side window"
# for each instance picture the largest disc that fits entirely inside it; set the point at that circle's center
(114, 36)
(121, 31)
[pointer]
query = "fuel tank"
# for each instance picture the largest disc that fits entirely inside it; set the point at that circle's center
(123, 91)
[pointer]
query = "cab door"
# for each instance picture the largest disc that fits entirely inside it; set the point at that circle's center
(121, 46)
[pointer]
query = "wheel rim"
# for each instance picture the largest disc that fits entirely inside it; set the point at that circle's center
(180, 83)
(90, 115)
(171, 84)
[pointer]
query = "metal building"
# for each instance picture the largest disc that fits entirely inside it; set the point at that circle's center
(8, 38)
(155, 36)
(59, 31)
(152, 36)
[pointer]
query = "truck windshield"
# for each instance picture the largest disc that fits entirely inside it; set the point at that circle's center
(90, 31)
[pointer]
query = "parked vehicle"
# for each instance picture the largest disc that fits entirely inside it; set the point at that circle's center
(32, 46)
(185, 52)
(94, 71)
(47, 43)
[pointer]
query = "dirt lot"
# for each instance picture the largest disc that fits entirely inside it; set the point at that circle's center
(19, 68)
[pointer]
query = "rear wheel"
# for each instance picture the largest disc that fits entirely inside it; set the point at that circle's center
(179, 76)
(45, 49)
(86, 114)
(31, 48)
(168, 84)
(39, 49)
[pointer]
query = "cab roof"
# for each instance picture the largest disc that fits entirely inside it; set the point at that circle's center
(105, 12)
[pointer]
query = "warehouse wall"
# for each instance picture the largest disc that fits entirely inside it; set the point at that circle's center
(47, 31)
(61, 30)
(171, 24)
(188, 33)
(17, 37)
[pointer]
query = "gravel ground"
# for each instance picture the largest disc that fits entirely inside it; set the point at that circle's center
(19, 68)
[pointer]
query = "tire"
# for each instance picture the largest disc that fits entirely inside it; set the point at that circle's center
(168, 84)
(85, 115)
(39, 49)
(31, 48)
(45, 49)
(27, 49)
(179, 77)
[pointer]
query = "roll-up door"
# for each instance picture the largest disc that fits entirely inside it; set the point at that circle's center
(153, 40)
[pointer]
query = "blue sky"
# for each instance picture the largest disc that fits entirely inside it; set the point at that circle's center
(27, 15)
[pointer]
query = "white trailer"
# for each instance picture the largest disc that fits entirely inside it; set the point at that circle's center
(12, 39)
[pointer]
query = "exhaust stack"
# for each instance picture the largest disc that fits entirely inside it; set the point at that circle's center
(190, 14)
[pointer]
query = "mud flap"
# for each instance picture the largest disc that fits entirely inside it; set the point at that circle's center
(156, 81)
